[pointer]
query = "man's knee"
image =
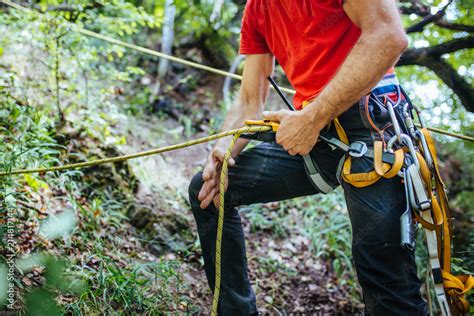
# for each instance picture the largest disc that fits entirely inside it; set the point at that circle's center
(387, 274)
(194, 188)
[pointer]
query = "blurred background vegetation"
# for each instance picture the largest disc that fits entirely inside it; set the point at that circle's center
(119, 239)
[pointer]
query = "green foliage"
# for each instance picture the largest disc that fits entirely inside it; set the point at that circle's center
(52, 77)
(442, 107)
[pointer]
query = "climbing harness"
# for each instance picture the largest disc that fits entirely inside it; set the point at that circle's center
(401, 149)
(411, 154)
(414, 159)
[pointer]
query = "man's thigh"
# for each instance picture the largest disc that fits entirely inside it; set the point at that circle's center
(386, 271)
(264, 173)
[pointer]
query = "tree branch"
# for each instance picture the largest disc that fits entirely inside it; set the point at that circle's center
(453, 46)
(416, 7)
(428, 19)
(455, 26)
(415, 55)
(445, 72)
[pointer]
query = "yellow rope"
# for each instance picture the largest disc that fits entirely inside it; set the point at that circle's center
(451, 134)
(193, 64)
(90, 163)
(220, 225)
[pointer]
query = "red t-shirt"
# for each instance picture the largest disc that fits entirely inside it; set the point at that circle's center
(309, 38)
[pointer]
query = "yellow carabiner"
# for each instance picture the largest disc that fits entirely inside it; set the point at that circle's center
(273, 125)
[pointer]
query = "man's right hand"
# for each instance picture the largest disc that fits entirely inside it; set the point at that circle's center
(211, 177)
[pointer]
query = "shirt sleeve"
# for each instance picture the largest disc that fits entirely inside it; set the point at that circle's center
(251, 39)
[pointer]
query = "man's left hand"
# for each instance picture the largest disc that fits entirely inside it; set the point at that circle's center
(297, 133)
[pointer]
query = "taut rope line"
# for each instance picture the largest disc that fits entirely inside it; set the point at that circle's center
(90, 163)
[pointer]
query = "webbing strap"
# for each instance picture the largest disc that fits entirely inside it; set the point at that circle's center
(437, 224)
(381, 168)
(360, 180)
(443, 201)
(341, 132)
(315, 176)
(432, 244)
(457, 287)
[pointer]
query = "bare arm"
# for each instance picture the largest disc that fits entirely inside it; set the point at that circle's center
(381, 43)
(253, 94)
(249, 105)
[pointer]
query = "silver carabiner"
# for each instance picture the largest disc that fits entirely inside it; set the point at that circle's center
(396, 126)
(408, 120)
(406, 140)
(418, 114)
(416, 134)
(426, 151)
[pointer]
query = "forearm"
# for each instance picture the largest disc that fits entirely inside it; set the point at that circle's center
(244, 108)
(252, 97)
(236, 118)
(364, 67)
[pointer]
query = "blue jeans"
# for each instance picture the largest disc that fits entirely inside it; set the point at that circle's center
(386, 272)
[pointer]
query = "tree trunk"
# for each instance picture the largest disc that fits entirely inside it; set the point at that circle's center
(168, 36)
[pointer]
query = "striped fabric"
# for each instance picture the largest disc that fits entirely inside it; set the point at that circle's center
(388, 84)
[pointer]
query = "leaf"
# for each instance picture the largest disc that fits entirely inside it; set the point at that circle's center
(57, 226)
(40, 302)
(35, 183)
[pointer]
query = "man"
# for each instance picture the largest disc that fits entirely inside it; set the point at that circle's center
(334, 52)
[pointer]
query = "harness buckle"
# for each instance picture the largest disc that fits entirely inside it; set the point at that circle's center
(357, 149)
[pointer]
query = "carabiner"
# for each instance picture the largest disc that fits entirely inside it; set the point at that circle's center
(406, 140)
(408, 120)
(393, 117)
(426, 151)
(418, 135)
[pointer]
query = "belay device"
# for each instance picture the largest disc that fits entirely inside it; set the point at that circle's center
(400, 149)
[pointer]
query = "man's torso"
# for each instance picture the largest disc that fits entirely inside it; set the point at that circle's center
(309, 38)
